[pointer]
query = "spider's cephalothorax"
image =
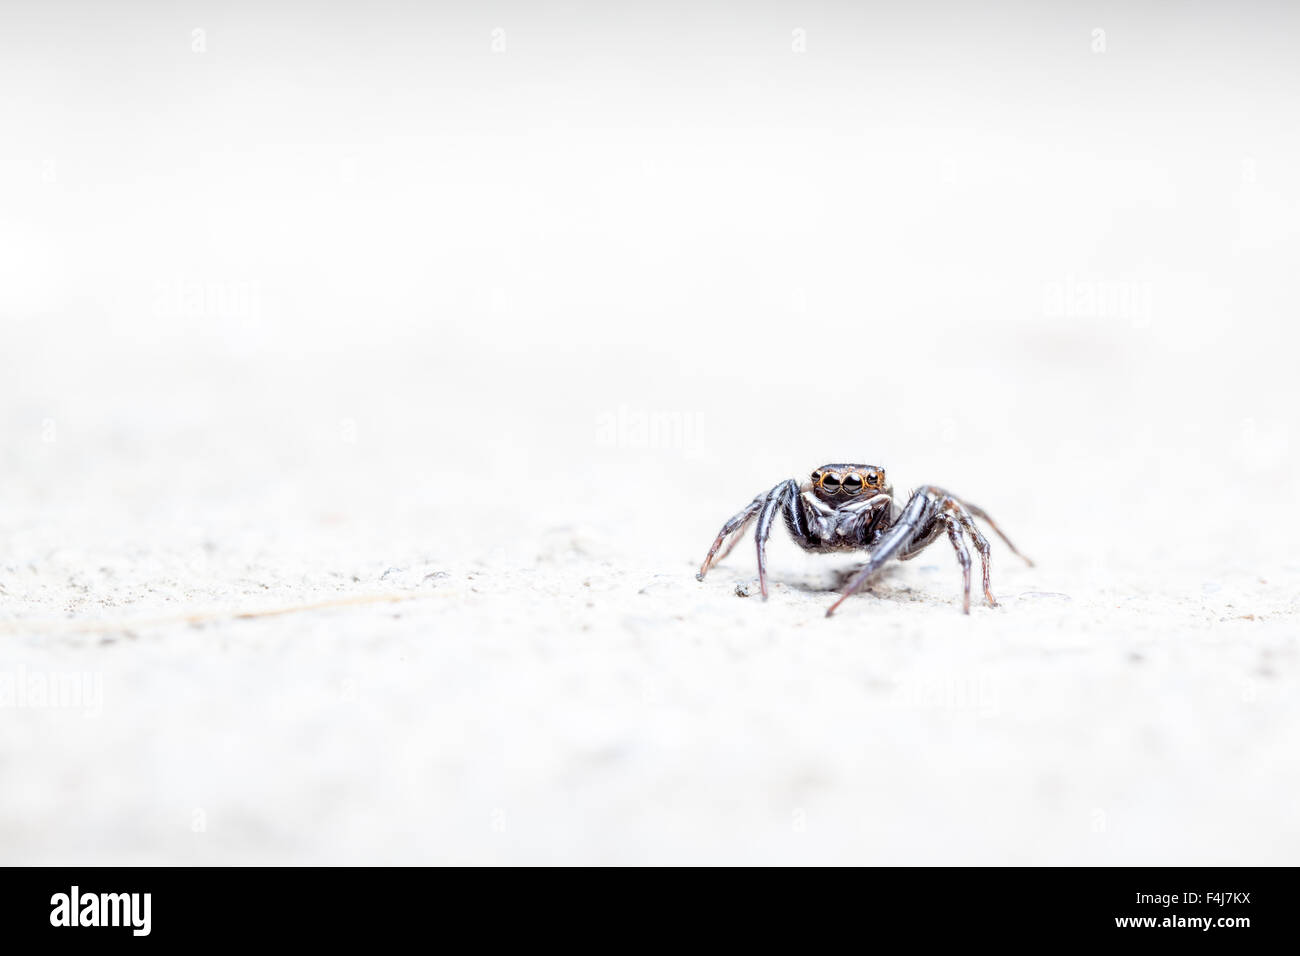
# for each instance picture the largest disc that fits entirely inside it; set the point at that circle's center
(849, 507)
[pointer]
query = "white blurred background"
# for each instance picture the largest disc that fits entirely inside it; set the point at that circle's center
(291, 290)
(787, 234)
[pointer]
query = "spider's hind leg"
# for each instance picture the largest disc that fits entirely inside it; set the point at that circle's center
(955, 508)
(953, 526)
(949, 519)
(981, 545)
(984, 516)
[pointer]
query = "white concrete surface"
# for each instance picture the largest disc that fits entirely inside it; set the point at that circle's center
(550, 684)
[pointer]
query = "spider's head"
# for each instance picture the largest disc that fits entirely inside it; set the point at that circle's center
(841, 483)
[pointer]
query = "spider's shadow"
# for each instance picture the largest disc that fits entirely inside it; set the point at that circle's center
(834, 581)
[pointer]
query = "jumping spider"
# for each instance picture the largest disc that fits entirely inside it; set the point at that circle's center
(848, 507)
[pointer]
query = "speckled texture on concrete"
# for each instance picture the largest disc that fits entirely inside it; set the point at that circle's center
(278, 648)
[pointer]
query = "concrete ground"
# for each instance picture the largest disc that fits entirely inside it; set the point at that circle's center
(279, 642)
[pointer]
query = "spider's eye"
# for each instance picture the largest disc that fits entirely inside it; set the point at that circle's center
(816, 477)
(852, 483)
(830, 482)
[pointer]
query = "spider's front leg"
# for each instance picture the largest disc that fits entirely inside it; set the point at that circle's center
(785, 495)
(764, 508)
(735, 524)
(915, 519)
(931, 511)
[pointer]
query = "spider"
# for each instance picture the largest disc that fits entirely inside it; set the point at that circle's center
(849, 507)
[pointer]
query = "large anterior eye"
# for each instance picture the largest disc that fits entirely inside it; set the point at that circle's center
(852, 483)
(830, 482)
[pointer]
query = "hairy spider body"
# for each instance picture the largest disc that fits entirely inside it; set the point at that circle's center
(851, 507)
